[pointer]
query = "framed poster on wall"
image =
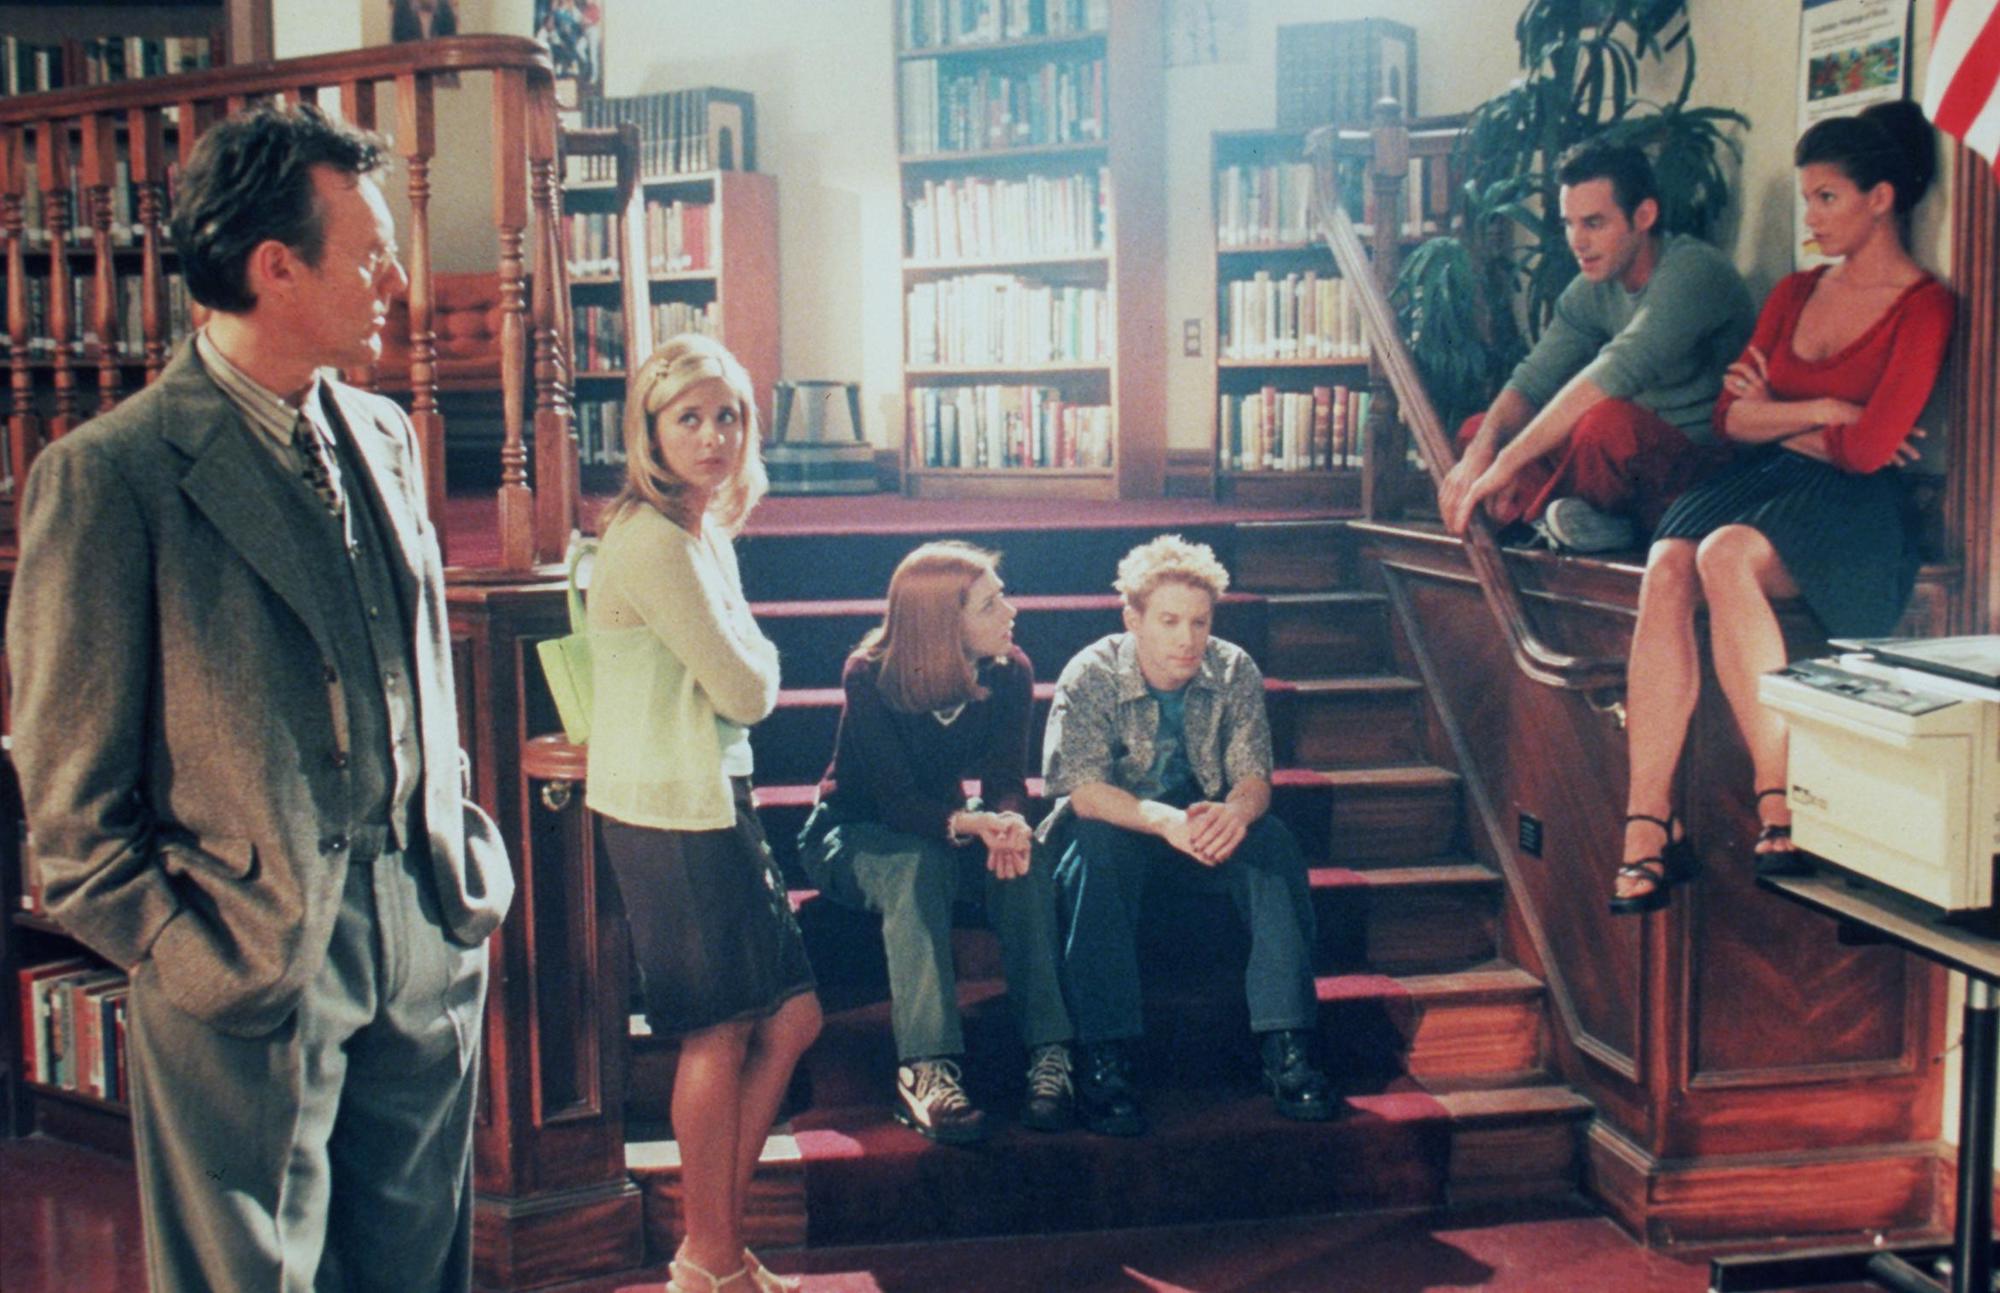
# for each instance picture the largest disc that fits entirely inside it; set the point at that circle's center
(1851, 53)
(573, 33)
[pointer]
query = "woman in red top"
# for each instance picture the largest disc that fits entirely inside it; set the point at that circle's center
(1823, 403)
(937, 695)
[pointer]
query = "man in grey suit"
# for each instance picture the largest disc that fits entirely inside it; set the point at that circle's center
(238, 749)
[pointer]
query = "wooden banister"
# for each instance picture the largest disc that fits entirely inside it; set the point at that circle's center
(1391, 358)
(72, 142)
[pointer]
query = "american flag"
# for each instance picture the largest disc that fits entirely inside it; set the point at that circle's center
(1964, 71)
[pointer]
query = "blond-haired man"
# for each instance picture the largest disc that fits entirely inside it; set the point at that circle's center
(1160, 746)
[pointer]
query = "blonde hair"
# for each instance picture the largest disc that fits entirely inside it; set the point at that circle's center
(920, 644)
(680, 364)
(1169, 559)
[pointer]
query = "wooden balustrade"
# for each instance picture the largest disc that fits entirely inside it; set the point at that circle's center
(62, 153)
(1398, 386)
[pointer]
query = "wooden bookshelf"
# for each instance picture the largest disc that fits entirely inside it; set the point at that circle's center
(728, 283)
(1033, 252)
(1292, 386)
(70, 41)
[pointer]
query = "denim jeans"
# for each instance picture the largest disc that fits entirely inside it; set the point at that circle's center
(913, 884)
(1103, 876)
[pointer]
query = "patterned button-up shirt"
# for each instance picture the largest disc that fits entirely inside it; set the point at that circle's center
(1104, 723)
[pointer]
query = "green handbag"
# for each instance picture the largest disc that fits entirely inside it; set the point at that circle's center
(566, 660)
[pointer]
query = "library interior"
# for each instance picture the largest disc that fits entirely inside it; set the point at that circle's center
(1612, 690)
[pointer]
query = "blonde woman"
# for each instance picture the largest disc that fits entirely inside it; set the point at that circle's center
(682, 670)
(937, 694)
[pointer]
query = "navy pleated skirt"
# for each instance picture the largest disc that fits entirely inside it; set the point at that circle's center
(1849, 542)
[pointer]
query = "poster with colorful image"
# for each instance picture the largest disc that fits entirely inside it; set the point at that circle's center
(1851, 53)
(573, 33)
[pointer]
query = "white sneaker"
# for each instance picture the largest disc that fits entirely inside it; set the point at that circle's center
(1573, 525)
(931, 1102)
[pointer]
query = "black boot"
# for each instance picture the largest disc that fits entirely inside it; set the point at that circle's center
(1106, 1100)
(1299, 1088)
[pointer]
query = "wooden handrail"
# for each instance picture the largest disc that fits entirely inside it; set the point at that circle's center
(75, 140)
(1391, 358)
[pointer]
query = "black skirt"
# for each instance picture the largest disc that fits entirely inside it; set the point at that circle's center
(712, 929)
(1849, 542)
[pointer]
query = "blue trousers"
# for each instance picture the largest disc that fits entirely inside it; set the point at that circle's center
(1102, 877)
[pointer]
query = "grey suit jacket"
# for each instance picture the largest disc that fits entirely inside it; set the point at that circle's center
(175, 723)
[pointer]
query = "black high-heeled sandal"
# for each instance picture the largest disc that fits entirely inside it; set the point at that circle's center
(1779, 861)
(1675, 863)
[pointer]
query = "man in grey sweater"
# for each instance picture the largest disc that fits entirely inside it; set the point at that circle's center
(1608, 418)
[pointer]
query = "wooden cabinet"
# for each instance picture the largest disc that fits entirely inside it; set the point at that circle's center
(1032, 188)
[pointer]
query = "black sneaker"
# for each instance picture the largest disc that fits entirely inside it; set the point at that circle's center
(1051, 1102)
(1572, 525)
(931, 1102)
(1106, 1100)
(1297, 1086)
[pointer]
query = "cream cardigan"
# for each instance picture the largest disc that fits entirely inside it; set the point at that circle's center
(680, 670)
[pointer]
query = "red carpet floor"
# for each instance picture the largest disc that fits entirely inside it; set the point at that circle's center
(69, 1224)
(472, 540)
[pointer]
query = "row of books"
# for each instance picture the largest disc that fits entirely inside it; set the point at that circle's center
(947, 111)
(600, 337)
(131, 317)
(1258, 206)
(33, 67)
(676, 239)
(931, 24)
(1426, 194)
(599, 331)
(125, 228)
(1298, 316)
(979, 218)
(681, 132)
(73, 1020)
(1272, 430)
(600, 432)
(996, 319)
(1009, 426)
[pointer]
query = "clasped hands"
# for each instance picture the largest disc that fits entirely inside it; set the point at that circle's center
(1749, 378)
(1006, 837)
(1208, 831)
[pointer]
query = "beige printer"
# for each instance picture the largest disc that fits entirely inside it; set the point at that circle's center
(1895, 763)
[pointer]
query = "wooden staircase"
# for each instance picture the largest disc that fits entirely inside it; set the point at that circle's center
(1442, 1042)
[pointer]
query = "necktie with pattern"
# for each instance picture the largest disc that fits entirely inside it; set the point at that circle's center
(318, 463)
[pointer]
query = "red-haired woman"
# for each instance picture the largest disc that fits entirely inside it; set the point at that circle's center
(936, 695)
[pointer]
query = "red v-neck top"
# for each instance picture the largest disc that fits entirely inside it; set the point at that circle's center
(1887, 370)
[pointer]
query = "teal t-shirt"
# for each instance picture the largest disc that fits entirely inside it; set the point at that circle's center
(1171, 771)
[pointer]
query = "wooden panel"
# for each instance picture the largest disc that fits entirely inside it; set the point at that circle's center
(746, 293)
(1728, 1043)
(1831, 1195)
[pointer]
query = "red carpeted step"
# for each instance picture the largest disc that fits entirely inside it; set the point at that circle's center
(1212, 1154)
(1430, 915)
(1370, 815)
(1468, 1028)
(1324, 635)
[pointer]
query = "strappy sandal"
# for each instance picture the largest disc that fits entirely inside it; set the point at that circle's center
(766, 1279)
(1675, 863)
(1777, 861)
(681, 1272)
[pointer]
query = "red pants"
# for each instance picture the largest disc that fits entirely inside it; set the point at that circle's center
(1620, 457)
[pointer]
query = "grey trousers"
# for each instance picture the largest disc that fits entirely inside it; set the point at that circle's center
(913, 883)
(335, 1152)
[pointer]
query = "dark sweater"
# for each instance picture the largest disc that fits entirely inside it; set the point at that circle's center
(906, 771)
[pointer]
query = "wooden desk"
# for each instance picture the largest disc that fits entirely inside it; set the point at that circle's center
(1966, 1264)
